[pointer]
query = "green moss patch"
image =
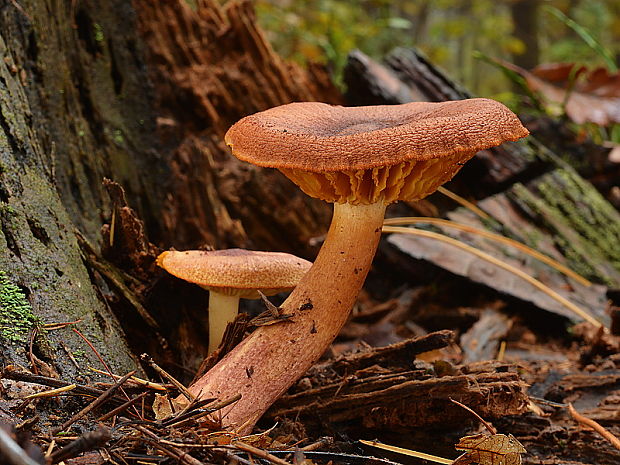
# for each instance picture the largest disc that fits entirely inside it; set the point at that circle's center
(16, 317)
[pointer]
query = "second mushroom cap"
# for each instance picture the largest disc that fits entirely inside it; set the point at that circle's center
(236, 271)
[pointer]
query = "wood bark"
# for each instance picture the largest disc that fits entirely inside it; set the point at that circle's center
(524, 15)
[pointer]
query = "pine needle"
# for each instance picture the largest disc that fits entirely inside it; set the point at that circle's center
(409, 452)
(463, 202)
(491, 236)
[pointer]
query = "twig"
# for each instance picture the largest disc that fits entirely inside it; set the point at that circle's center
(98, 401)
(197, 412)
(121, 408)
(91, 440)
(490, 428)
(55, 326)
(263, 454)
(14, 374)
(182, 389)
(105, 365)
(172, 451)
(12, 451)
(325, 441)
(594, 425)
(141, 382)
(95, 351)
(491, 259)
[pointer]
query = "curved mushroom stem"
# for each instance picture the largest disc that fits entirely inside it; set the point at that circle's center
(272, 358)
(222, 310)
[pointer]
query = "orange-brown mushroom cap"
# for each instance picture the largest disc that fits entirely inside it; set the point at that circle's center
(362, 154)
(236, 271)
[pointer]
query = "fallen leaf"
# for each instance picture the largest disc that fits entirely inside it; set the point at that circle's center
(593, 96)
(495, 449)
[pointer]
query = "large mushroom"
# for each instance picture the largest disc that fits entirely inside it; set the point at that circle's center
(233, 274)
(361, 159)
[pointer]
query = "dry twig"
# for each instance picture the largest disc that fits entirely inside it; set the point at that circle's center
(578, 417)
(97, 402)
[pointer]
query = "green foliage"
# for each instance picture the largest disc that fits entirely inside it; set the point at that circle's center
(587, 36)
(447, 31)
(16, 317)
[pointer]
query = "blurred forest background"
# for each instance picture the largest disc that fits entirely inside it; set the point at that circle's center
(454, 34)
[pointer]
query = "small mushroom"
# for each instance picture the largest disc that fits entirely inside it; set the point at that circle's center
(232, 274)
(361, 159)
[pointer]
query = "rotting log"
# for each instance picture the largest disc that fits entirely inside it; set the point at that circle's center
(557, 203)
(38, 248)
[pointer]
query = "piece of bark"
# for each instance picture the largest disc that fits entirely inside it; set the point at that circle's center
(463, 263)
(398, 354)
(481, 341)
(384, 388)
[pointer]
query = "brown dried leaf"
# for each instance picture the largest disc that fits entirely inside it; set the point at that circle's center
(495, 449)
(594, 96)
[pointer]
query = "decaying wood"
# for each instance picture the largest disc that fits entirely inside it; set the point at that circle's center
(382, 391)
(211, 66)
(398, 354)
(481, 341)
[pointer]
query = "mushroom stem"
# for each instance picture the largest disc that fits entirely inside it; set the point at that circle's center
(272, 358)
(222, 310)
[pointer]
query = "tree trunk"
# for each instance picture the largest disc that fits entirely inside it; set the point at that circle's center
(139, 93)
(524, 15)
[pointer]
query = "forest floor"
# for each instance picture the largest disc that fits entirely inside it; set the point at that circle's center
(391, 377)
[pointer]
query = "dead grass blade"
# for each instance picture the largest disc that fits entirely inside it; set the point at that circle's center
(409, 452)
(495, 261)
(463, 202)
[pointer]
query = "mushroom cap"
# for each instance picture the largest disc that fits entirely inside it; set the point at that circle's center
(362, 154)
(236, 271)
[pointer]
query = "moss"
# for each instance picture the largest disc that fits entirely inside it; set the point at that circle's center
(586, 228)
(7, 210)
(16, 317)
(99, 36)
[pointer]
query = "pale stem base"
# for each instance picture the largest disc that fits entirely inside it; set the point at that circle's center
(222, 310)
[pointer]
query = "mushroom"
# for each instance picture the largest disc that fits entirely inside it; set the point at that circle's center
(361, 159)
(232, 274)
